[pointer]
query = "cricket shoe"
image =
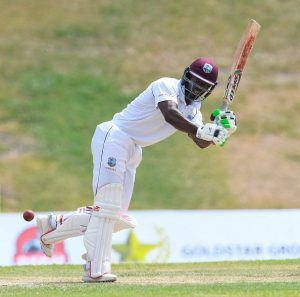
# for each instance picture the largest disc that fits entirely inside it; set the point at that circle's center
(106, 277)
(44, 227)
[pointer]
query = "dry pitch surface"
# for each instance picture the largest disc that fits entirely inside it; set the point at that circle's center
(259, 278)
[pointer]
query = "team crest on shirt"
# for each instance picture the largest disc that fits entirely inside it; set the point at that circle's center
(112, 161)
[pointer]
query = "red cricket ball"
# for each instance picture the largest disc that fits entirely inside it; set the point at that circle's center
(28, 215)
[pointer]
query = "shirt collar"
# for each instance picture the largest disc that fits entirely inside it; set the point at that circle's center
(181, 92)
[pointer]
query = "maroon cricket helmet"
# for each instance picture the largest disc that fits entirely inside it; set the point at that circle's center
(200, 78)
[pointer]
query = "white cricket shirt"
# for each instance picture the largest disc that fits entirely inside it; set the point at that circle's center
(143, 121)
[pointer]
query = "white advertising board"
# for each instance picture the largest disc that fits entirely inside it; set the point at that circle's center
(169, 236)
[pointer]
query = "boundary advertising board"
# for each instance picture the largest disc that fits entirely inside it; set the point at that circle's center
(169, 236)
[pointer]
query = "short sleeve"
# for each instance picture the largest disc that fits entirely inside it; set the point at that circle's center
(163, 90)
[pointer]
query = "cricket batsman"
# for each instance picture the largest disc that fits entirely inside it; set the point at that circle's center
(167, 105)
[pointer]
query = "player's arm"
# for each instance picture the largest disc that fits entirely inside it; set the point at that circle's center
(203, 136)
(175, 118)
(200, 142)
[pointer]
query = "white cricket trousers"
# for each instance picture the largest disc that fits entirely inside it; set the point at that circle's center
(115, 158)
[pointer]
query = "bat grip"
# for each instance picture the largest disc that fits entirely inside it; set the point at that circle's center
(224, 106)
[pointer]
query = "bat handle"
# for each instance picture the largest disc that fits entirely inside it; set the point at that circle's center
(224, 106)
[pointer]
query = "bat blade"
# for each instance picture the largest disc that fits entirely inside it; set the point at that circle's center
(239, 61)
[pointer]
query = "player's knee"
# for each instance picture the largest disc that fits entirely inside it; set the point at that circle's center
(108, 200)
(106, 179)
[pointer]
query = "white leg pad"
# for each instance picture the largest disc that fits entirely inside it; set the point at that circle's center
(74, 225)
(98, 236)
(125, 221)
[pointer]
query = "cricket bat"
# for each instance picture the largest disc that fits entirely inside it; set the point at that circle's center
(239, 62)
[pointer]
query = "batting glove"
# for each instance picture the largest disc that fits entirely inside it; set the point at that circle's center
(212, 132)
(226, 119)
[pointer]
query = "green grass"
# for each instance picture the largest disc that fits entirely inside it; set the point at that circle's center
(65, 67)
(234, 279)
